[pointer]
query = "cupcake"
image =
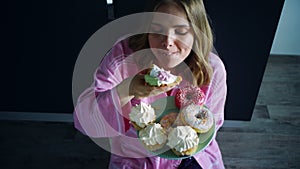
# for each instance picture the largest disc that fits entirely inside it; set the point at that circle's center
(183, 140)
(160, 77)
(142, 115)
(153, 137)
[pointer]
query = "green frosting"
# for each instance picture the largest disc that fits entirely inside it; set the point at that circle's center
(153, 81)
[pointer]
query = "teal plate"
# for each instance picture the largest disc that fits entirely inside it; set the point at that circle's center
(165, 106)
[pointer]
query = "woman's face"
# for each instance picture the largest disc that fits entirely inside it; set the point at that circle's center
(171, 38)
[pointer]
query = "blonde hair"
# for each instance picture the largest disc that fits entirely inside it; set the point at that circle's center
(198, 60)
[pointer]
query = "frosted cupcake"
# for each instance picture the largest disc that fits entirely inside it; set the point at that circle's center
(142, 115)
(160, 77)
(183, 140)
(153, 137)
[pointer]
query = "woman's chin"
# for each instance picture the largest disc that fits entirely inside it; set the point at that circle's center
(172, 66)
(167, 65)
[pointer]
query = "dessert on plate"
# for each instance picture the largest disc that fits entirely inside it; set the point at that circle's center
(189, 95)
(200, 118)
(183, 140)
(142, 115)
(168, 120)
(153, 137)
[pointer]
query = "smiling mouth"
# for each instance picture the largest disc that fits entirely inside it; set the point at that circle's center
(169, 53)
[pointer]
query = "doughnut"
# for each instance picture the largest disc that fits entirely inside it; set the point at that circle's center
(189, 95)
(168, 120)
(200, 118)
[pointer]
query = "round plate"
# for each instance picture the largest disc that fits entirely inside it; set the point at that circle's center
(165, 106)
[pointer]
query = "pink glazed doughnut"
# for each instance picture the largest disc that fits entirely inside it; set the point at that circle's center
(189, 95)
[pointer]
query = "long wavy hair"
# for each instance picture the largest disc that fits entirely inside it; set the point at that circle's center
(198, 59)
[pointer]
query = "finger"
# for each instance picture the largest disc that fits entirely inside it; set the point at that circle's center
(145, 71)
(159, 90)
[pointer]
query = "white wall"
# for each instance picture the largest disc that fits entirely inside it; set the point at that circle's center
(287, 37)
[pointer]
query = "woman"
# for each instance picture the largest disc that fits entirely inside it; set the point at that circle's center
(179, 40)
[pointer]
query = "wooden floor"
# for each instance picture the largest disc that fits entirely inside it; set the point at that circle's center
(270, 140)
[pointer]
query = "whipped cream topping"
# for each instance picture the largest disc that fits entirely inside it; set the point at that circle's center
(153, 134)
(182, 138)
(142, 114)
(165, 77)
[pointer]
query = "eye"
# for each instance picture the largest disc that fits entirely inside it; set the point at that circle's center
(182, 30)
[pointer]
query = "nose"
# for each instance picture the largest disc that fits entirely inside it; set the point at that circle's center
(167, 42)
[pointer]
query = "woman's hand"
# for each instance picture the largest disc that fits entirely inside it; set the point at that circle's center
(136, 87)
(139, 89)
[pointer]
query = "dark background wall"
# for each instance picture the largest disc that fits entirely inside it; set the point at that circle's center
(41, 41)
